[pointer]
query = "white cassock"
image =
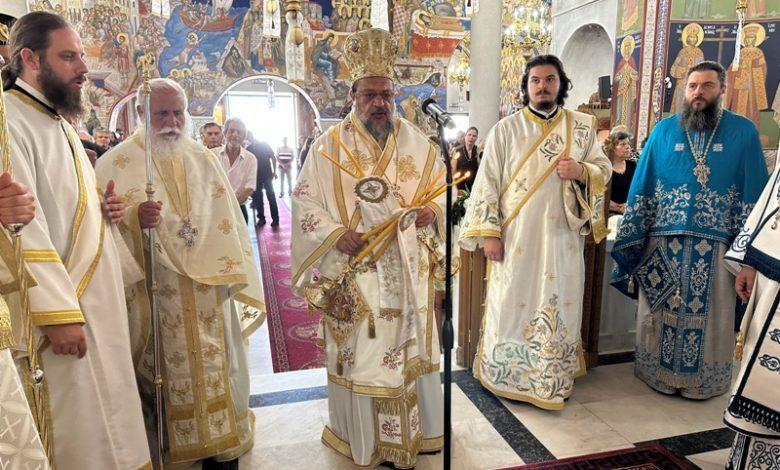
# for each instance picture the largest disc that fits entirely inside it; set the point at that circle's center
(377, 327)
(95, 410)
(530, 348)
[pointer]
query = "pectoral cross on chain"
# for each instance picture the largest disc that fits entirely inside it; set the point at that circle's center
(702, 173)
(188, 233)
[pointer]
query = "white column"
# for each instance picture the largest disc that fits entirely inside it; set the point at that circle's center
(485, 66)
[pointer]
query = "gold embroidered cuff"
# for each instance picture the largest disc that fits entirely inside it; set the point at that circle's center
(57, 317)
(481, 233)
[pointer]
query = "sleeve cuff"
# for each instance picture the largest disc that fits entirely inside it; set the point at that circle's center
(57, 317)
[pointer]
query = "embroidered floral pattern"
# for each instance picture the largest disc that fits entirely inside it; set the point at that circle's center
(775, 335)
(366, 162)
(121, 161)
(392, 359)
(228, 264)
(217, 190)
(544, 365)
(770, 362)
(690, 352)
(552, 147)
(130, 197)
(407, 170)
(348, 357)
(309, 222)
(225, 226)
(391, 428)
(581, 134)
(301, 189)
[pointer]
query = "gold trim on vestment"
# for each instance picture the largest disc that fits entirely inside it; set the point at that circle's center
(319, 252)
(6, 333)
(432, 444)
(81, 207)
(41, 256)
(547, 128)
(57, 317)
(538, 183)
(340, 202)
(93, 265)
(481, 233)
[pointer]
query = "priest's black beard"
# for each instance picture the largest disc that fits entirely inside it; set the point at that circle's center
(700, 120)
(65, 100)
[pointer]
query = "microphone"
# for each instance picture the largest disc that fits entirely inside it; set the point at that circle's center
(441, 117)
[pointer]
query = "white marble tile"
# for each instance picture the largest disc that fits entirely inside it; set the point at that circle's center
(286, 424)
(653, 416)
(608, 383)
(575, 430)
(476, 445)
(463, 409)
(715, 460)
(295, 380)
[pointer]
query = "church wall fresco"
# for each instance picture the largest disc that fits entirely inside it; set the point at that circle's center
(207, 45)
(689, 31)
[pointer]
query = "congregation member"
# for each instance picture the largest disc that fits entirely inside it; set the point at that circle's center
(539, 192)
(239, 164)
(284, 160)
(700, 174)
(211, 135)
(617, 147)
(78, 305)
(754, 408)
(266, 174)
(377, 305)
(467, 158)
(204, 263)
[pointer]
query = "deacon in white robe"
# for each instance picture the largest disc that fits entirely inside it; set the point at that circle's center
(78, 304)
(754, 407)
(377, 324)
(204, 263)
(538, 193)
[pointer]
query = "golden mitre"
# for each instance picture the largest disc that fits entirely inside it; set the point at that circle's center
(371, 53)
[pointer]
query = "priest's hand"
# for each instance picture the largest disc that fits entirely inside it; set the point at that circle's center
(744, 282)
(17, 204)
(425, 217)
(350, 243)
(67, 339)
(494, 249)
(149, 214)
(113, 204)
(569, 169)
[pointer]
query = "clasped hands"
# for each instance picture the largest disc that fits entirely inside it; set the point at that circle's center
(351, 242)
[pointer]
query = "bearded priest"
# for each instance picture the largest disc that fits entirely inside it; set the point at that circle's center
(367, 226)
(700, 175)
(203, 263)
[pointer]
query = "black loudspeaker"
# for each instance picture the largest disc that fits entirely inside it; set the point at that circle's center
(605, 88)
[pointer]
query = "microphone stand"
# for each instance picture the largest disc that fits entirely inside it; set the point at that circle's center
(448, 334)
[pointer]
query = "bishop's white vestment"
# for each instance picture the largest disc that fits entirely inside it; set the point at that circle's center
(377, 324)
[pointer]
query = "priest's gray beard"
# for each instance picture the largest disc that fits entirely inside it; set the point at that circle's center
(163, 146)
(700, 120)
(66, 100)
(378, 132)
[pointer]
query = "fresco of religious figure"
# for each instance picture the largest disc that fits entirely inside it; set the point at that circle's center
(697, 9)
(746, 87)
(323, 60)
(626, 80)
(689, 55)
(756, 9)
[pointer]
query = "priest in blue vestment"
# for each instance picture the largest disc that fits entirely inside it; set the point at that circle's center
(700, 175)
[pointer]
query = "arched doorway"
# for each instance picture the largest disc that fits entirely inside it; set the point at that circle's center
(589, 46)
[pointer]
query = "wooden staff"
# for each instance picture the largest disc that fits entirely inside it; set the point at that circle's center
(34, 376)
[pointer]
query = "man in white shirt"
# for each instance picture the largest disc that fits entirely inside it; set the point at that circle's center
(239, 164)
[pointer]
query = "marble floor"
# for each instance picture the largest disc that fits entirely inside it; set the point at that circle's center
(610, 409)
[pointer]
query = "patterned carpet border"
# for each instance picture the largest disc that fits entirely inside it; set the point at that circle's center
(646, 457)
(291, 330)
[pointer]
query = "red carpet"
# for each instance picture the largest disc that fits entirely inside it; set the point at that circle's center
(293, 332)
(646, 457)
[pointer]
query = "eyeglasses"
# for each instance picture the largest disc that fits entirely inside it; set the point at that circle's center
(386, 96)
